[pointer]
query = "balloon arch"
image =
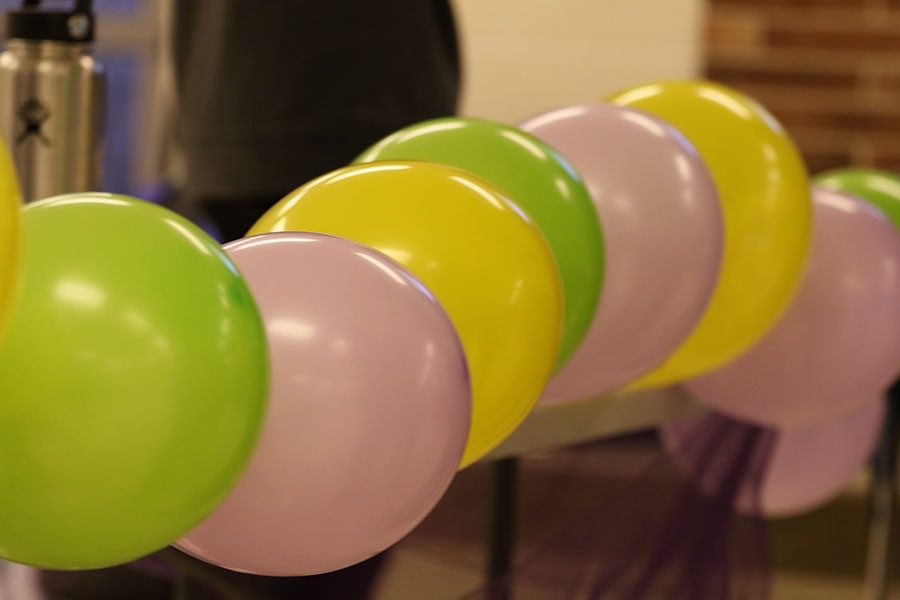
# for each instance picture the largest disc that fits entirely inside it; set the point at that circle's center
(298, 400)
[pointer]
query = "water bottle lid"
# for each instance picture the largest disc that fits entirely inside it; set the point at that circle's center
(31, 23)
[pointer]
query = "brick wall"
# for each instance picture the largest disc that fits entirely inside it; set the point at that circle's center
(829, 69)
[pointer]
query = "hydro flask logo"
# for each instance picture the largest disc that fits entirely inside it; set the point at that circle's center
(33, 115)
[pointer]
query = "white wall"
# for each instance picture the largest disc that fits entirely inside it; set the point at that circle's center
(525, 56)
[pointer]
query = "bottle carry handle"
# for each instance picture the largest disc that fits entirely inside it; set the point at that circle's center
(81, 6)
(32, 21)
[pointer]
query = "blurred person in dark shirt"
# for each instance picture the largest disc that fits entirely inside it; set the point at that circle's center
(273, 94)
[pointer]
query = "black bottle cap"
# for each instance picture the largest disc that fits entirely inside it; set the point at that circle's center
(31, 23)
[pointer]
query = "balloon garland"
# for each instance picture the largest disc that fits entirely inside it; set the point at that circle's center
(654, 240)
(764, 190)
(539, 181)
(384, 376)
(837, 346)
(664, 235)
(878, 187)
(480, 255)
(133, 383)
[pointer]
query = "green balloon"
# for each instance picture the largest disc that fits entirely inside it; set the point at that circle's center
(539, 181)
(881, 188)
(133, 383)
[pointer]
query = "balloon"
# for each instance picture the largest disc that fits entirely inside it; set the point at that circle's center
(837, 345)
(10, 226)
(881, 188)
(485, 262)
(538, 180)
(133, 383)
(369, 411)
(806, 467)
(765, 199)
(663, 229)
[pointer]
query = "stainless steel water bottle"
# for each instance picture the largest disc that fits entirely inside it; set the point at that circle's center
(52, 99)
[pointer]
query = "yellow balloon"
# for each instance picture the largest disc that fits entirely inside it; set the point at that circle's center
(477, 252)
(767, 209)
(10, 233)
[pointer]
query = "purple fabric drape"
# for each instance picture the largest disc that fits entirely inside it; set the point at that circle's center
(672, 533)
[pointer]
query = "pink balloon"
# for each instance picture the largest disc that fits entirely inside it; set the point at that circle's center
(807, 466)
(839, 342)
(369, 410)
(662, 224)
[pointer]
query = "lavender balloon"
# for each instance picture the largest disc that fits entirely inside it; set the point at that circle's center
(807, 466)
(369, 412)
(663, 228)
(838, 343)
